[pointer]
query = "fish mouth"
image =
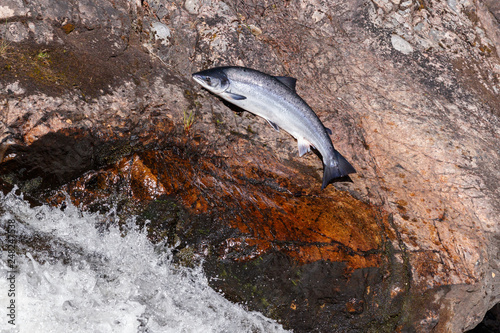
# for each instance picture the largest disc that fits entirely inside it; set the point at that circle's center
(198, 78)
(212, 81)
(202, 80)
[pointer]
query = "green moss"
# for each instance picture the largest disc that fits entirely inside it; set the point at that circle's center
(264, 302)
(164, 218)
(204, 231)
(32, 185)
(223, 274)
(53, 70)
(192, 98)
(4, 48)
(42, 55)
(394, 311)
(113, 152)
(186, 257)
(8, 178)
(27, 186)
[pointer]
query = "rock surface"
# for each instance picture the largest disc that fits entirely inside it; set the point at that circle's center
(97, 103)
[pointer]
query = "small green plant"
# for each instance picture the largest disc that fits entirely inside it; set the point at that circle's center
(43, 55)
(4, 44)
(188, 119)
(4, 48)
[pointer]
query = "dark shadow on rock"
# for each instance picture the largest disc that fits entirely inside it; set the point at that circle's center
(55, 159)
(490, 323)
(281, 288)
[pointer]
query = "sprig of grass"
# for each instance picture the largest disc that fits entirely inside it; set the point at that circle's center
(4, 48)
(188, 120)
(42, 55)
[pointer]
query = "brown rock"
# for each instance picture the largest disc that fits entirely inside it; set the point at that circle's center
(411, 93)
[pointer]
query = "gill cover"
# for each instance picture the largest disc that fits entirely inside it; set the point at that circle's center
(213, 80)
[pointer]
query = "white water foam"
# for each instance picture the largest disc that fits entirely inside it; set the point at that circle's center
(111, 282)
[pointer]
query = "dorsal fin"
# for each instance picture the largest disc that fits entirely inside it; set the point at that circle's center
(287, 81)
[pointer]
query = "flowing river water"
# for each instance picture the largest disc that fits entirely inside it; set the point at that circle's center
(63, 269)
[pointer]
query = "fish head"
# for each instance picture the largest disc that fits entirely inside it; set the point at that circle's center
(214, 80)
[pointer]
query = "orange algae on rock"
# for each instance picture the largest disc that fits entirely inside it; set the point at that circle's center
(333, 227)
(250, 194)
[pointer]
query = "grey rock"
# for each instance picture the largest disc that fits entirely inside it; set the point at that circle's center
(14, 88)
(453, 5)
(89, 14)
(43, 33)
(12, 8)
(161, 32)
(14, 32)
(53, 10)
(494, 7)
(401, 45)
(193, 6)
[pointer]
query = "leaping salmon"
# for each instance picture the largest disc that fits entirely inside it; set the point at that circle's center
(274, 98)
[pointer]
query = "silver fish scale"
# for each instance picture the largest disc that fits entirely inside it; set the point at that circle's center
(267, 97)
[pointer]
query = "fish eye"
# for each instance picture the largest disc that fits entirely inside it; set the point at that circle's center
(208, 80)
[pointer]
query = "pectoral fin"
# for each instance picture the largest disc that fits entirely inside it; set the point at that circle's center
(273, 125)
(329, 131)
(236, 97)
(304, 146)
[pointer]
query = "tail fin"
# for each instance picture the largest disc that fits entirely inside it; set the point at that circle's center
(339, 167)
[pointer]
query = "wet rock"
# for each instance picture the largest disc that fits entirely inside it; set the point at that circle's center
(410, 88)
